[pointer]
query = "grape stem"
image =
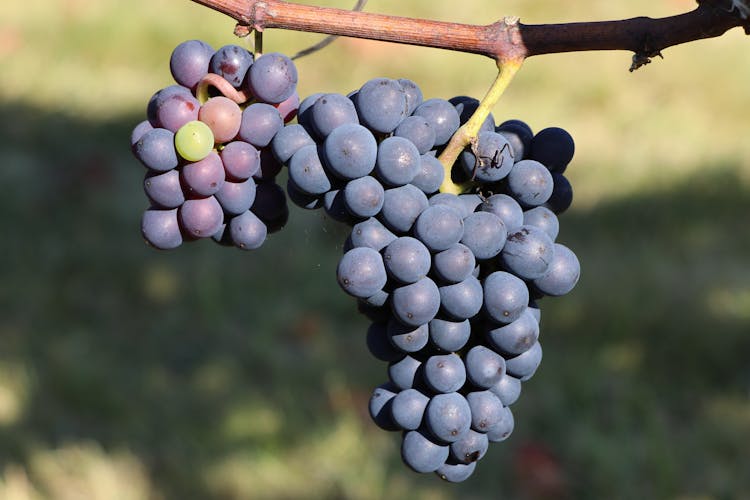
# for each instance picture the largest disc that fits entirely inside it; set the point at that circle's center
(468, 132)
(223, 86)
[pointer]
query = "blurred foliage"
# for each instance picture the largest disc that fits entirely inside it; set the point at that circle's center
(208, 372)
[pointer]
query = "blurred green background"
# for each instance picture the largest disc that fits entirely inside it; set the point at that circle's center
(208, 372)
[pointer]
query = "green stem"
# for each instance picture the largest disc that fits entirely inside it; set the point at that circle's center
(469, 131)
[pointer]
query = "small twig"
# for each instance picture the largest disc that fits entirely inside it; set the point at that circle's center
(327, 40)
(222, 85)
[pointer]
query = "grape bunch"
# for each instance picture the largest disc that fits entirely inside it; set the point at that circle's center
(450, 282)
(205, 145)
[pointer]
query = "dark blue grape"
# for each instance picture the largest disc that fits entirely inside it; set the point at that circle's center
(403, 372)
(201, 218)
(205, 177)
(413, 94)
(470, 448)
(505, 297)
(302, 199)
(448, 416)
(562, 194)
(455, 473)
(335, 207)
(505, 207)
(444, 373)
(160, 228)
(380, 406)
(236, 197)
(484, 367)
(155, 149)
(502, 430)
(247, 231)
(364, 196)
(231, 62)
(189, 62)
(470, 201)
(382, 105)
(270, 205)
(562, 275)
(528, 252)
(408, 338)
(417, 303)
(361, 272)
(351, 151)
(462, 300)
(486, 410)
(241, 160)
(554, 147)
(406, 259)
(379, 344)
(449, 335)
(288, 140)
(454, 264)
(421, 454)
(371, 233)
(430, 176)
(508, 389)
(398, 161)
(418, 131)
(407, 409)
(450, 200)
(442, 116)
(401, 208)
(489, 159)
(163, 188)
(260, 123)
(516, 337)
(484, 234)
(304, 112)
(307, 172)
(525, 364)
(543, 218)
(530, 183)
(272, 78)
(519, 135)
(466, 106)
(439, 227)
(331, 111)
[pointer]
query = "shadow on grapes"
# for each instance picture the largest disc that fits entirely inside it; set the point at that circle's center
(210, 372)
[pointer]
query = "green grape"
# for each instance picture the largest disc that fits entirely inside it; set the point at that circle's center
(194, 140)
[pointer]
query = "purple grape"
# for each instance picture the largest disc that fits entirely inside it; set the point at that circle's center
(189, 62)
(525, 364)
(528, 252)
(163, 188)
(205, 177)
(448, 417)
(553, 147)
(516, 337)
(155, 102)
(201, 218)
(380, 406)
(155, 150)
(307, 172)
(484, 367)
(470, 448)
(176, 110)
(247, 231)
(454, 264)
(462, 300)
(241, 160)
(160, 228)
(543, 218)
(407, 338)
(466, 106)
(439, 228)
(486, 410)
(236, 197)
(519, 136)
(272, 78)
(407, 409)
(231, 62)
(371, 233)
(331, 111)
(260, 123)
(402, 206)
(138, 132)
(449, 335)
(445, 373)
(361, 272)
(403, 372)
(489, 159)
(562, 275)
(413, 94)
(484, 234)
(430, 176)
(505, 207)
(379, 344)
(508, 389)
(421, 454)
(502, 430)
(562, 194)
(270, 205)
(418, 131)
(288, 140)
(417, 303)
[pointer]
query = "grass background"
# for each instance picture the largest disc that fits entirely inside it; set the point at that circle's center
(208, 372)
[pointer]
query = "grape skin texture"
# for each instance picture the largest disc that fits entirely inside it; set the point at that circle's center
(231, 62)
(406, 259)
(272, 78)
(194, 141)
(382, 105)
(155, 149)
(189, 62)
(160, 228)
(445, 373)
(361, 272)
(223, 116)
(351, 151)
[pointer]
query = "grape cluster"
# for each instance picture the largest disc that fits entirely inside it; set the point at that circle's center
(450, 282)
(210, 170)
